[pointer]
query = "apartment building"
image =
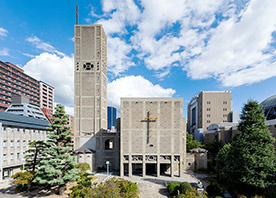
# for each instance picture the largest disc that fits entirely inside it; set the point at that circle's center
(13, 81)
(46, 97)
(15, 133)
(209, 107)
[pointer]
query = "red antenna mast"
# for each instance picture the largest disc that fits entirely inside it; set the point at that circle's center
(77, 14)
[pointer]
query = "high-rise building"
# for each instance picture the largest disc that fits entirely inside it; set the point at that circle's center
(90, 84)
(111, 118)
(13, 81)
(207, 108)
(46, 97)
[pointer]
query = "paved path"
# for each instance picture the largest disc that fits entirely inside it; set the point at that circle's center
(153, 187)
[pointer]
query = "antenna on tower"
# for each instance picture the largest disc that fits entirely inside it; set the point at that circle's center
(77, 14)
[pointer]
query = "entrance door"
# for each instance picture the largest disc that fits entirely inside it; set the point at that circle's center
(151, 169)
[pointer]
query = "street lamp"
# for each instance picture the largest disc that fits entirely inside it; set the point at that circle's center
(107, 167)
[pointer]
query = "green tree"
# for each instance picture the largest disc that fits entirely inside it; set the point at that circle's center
(34, 155)
(222, 158)
(58, 167)
(190, 143)
(23, 178)
(250, 163)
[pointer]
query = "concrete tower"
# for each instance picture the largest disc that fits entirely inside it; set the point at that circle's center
(90, 84)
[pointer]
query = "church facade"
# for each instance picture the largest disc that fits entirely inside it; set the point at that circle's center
(152, 136)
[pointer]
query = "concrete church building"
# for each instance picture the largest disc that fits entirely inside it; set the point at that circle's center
(153, 137)
(90, 99)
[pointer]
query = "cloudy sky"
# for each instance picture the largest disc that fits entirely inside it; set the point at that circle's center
(155, 47)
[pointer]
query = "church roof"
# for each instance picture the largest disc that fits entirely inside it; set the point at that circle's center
(83, 151)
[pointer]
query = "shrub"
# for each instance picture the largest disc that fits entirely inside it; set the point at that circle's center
(200, 170)
(173, 187)
(211, 180)
(83, 166)
(23, 179)
(214, 190)
(184, 187)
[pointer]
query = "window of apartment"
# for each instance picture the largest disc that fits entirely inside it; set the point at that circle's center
(224, 102)
(208, 121)
(224, 109)
(208, 102)
(208, 109)
(208, 115)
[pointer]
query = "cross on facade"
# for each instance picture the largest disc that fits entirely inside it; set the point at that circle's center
(150, 119)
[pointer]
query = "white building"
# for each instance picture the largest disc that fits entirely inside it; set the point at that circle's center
(15, 133)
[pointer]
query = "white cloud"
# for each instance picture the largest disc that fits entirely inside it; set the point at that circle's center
(3, 32)
(134, 86)
(236, 48)
(39, 44)
(117, 59)
(28, 55)
(57, 71)
(4, 52)
(208, 39)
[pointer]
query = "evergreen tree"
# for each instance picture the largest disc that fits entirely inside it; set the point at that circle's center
(221, 158)
(250, 163)
(190, 143)
(34, 155)
(58, 167)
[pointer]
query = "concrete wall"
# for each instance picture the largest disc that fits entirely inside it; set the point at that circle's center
(157, 142)
(90, 83)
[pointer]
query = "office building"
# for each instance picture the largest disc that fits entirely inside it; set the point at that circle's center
(15, 133)
(209, 107)
(111, 118)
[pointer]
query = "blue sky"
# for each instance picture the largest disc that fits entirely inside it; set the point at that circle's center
(155, 48)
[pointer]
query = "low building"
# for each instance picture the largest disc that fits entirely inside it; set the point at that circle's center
(85, 155)
(223, 132)
(15, 133)
(20, 105)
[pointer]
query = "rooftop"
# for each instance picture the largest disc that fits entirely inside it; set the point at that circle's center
(9, 119)
(269, 102)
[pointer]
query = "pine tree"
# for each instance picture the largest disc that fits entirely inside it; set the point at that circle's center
(58, 167)
(34, 155)
(250, 163)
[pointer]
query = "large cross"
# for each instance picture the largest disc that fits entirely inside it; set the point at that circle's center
(150, 119)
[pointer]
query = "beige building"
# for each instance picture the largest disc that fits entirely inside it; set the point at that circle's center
(209, 107)
(223, 132)
(90, 99)
(15, 134)
(90, 96)
(152, 137)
